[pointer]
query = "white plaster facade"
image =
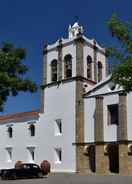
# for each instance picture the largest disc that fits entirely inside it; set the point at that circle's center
(60, 104)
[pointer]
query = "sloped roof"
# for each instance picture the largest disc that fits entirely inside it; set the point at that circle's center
(19, 115)
(98, 85)
(103, 88)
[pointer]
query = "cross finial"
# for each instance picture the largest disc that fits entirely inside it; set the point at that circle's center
(76, 18)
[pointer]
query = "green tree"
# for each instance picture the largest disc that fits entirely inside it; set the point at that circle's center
(12, 72)
(122, 54)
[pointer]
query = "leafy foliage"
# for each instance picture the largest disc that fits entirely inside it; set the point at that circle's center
(12, 71)
(122, 72)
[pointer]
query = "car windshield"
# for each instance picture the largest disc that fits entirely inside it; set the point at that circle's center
(35, 166)
(26, 166)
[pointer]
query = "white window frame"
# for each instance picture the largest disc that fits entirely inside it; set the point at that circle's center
(31, 134)
(9, 154)
(29, 123)
(8, 133)
(58, 155)
(31, 154)
(58, 127)
(109, 115)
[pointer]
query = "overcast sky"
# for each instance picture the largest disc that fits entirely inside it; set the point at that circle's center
(30, 23)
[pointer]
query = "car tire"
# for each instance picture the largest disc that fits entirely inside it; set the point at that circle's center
(40, 175)
(3, 176)
(13, 177)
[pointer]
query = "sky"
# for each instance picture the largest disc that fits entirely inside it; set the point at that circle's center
(31, 23)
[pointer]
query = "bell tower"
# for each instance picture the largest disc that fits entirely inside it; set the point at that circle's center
(70, 69)
(60, 57)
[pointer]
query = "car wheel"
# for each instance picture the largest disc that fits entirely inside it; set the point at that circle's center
(3, 176)
(40, 175)
(13, 177)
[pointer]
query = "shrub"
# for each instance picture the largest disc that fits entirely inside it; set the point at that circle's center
(45, 166)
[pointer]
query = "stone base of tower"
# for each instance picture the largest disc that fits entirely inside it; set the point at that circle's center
(125, 168)
(102, 162)
(92, 162)
(130, 164)
(104, 159)
(82, 165)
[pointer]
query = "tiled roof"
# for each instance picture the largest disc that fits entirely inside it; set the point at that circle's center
(19, 115)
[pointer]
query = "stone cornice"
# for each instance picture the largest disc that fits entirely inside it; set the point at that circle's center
(80, 38)
(102, 94)
(102, 142)
(68, 80)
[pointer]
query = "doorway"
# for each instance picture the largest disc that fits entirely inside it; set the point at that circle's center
(113, 153)
(92, 158)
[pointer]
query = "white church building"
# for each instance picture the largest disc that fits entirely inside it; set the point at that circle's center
(85, 121)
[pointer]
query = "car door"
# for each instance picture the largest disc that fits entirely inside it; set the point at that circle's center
(25, 171)
(34, 170)
(28, 171)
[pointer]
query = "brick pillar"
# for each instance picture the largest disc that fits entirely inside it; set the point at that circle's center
(122, 135)
(101, 159)
(80, 157)
(59, 63)
(44, 79)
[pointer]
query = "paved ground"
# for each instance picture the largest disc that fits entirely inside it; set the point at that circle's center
(74, 179)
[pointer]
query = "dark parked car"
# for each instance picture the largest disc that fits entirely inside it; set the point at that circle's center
(27, 170)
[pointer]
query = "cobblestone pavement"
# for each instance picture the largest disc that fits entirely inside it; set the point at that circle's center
(73, 179)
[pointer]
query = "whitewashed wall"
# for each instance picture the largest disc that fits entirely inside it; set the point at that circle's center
(110, 131)
(19, 142)
(59, 104)
(89, 110)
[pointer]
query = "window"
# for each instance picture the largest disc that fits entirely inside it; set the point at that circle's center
(10, 132)
(58, 127)
(89, 67)
(31, 154)
(58, 155)
(99, 71)
(35, 166)
(113, 114)
(112, 86)
(68, 66)
(32, 130)
(54, 70)
(9, 154)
